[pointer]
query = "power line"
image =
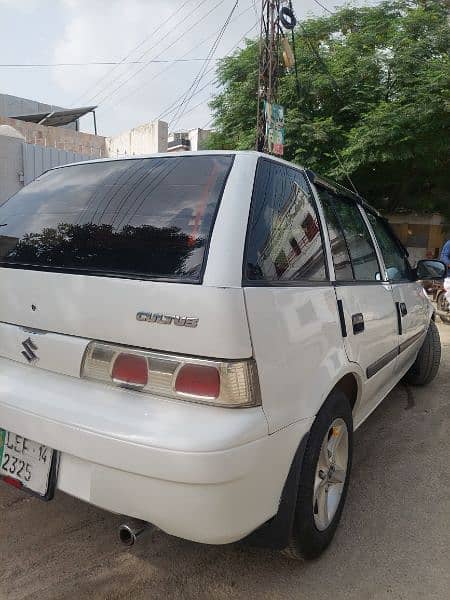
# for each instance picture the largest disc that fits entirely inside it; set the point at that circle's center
(206, 125)
(180, 35)
(163, 71)
(294, 51)
(131, 52)
(146, 52)
(191, 91)
(211, 81)
(172, 107)
(321, 61)
(95, 63)
(324, 7)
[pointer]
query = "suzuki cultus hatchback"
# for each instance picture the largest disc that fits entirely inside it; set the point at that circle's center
(191, 340)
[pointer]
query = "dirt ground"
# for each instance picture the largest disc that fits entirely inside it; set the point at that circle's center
(393, 542)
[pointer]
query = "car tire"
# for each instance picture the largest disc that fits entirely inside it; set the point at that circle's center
(426, 365)
(312, 532)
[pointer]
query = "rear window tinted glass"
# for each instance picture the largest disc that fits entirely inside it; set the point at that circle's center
(148, 218)
(284, 243)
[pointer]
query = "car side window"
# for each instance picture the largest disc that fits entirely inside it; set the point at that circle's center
(354, 254)
(341, 258)
(284, 242)
(395, 260)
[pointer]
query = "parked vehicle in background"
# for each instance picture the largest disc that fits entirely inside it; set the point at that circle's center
(442, 301)
(191, 340)
(439, 292)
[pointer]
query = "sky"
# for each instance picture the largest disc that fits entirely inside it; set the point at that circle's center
(133, 33)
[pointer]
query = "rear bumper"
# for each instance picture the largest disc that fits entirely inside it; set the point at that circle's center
(202, 473)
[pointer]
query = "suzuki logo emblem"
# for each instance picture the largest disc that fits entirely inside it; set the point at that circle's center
(29, 352)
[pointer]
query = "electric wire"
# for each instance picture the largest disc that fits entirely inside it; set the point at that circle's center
(138, 88)
(133, 50)
(191, 91)
(96, 63)
(144, 66)
(332, 79)
(175, 105)
(320, 60)
(172, 107)
(324, 7)
(294, 51)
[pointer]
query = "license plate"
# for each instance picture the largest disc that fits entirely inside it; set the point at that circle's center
(26, 462)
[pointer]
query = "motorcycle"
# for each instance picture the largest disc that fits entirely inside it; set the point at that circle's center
(442, 299)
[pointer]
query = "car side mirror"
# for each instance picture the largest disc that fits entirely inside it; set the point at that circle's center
(430, 269)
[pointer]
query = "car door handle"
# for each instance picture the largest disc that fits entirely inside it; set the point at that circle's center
(403, 309)
(358, 323)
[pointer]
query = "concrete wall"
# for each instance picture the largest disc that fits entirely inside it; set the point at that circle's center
(145, 139)
(198, 138)
(59, 137)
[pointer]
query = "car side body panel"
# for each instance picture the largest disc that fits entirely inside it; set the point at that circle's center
(298, 348)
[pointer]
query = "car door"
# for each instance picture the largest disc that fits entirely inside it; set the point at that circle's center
(409, 296)
(291, 304)
(365, 300)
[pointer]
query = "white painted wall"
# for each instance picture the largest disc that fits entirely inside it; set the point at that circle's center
(145, 139)
(198, 138)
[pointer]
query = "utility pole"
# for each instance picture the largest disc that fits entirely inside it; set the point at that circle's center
(269, 63)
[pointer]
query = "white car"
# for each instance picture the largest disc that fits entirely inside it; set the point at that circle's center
(192, 339)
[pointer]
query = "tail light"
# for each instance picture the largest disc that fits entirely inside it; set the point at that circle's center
(130, 370)
(220, 383)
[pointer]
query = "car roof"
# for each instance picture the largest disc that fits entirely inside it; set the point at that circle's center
(178, 154)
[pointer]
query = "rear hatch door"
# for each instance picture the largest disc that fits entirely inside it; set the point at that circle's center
(116, 251)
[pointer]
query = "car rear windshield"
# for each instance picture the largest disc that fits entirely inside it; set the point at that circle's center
(145, 218)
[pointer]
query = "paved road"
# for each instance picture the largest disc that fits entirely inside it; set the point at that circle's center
(394, 540)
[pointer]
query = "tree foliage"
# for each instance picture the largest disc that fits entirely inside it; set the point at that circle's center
(373, 101)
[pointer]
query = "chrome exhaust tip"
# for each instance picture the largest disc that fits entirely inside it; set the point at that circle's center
(129, 533)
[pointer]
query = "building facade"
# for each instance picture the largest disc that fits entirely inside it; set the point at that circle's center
(423, 235)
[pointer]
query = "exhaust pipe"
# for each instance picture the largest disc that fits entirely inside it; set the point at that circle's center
(130, 532)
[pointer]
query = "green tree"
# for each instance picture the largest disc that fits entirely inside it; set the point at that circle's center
(373, 101)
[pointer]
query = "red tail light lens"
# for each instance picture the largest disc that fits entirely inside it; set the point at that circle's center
(198, 380)
(130, 370)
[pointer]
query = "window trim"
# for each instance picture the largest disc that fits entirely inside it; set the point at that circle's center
(280, 283)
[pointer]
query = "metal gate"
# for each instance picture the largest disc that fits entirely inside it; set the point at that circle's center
(37, 159)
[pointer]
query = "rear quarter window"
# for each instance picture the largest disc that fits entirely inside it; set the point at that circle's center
(145, 218)
(284, 241)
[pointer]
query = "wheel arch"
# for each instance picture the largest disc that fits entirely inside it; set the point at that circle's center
(350, 385)
(275, 533)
